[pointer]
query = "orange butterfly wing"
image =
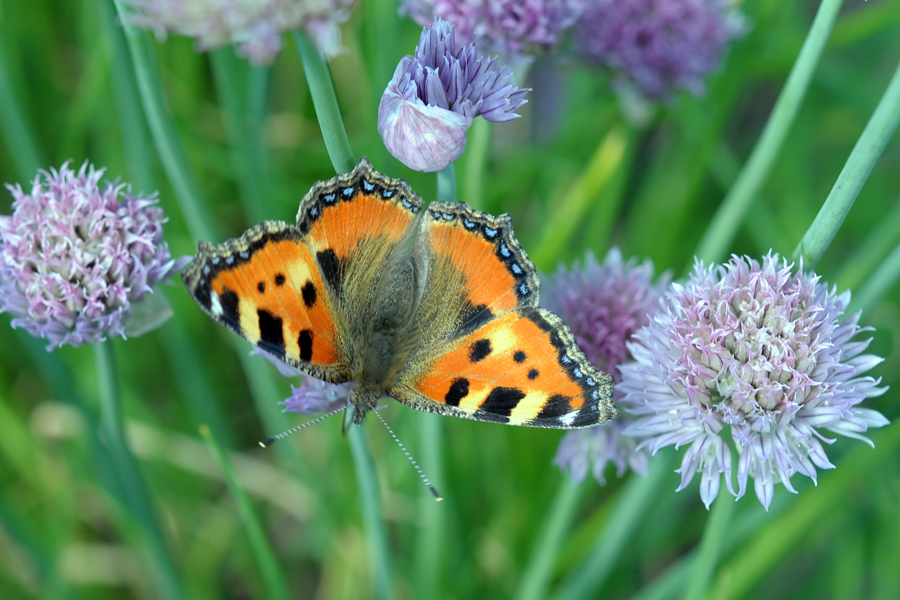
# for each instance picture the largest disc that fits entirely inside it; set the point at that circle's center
(507, 360)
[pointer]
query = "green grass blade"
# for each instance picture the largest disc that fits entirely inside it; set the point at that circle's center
(868, 149)
(549, 541)
(276, 587)
(370, 505)
(23, 148)
(633, 501)
(717, 524)
(734, 207)
(569, 213)
(169, 147)
(133, 485)
(321, 88)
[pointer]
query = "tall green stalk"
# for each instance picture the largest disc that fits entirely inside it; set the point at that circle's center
(865, 154)
(169, 147)
(734, 207)
(136, 494)
(717, 525)
(321, 88)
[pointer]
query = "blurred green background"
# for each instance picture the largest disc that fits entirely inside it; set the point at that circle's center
(67, 529)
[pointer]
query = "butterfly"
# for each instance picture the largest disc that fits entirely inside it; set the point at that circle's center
(435, 307)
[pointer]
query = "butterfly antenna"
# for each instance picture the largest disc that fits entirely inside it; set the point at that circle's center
(431, 488)
(284, 434)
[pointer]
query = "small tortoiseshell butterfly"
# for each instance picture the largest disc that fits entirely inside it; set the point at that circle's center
(434, 307)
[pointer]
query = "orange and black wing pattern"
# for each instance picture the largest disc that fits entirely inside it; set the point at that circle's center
(353, 223)
(267, 287)
(284, 287)
(504, 359)
(521, 368)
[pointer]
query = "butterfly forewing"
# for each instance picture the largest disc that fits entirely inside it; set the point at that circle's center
(267, 287)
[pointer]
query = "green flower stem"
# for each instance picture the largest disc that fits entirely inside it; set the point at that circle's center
(446, 184)
(136, 494)
(370, 504)
(431, 538)
(734, 207)
(571, 210)
(135, 140)
(882, 280)
(168, 145)
(321, 88)
(276, 588)
(775, 542)
(868, 149)
(232, 77)
(475, 162)
(22, 148)
(549, 541)
(717, 527)
(634, 500)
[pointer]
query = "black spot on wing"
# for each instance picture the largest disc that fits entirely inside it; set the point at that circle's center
(279, 279)
(330, 266)
(271, 333)
(502, 400)
(261, 286)
(480, 350)
(308, 292)
(305, 341)
(519, 356)
(556, 407)
(230, 302)
(459, 389)
(533, 374)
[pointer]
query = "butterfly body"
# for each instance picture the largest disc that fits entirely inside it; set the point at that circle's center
(434, 307)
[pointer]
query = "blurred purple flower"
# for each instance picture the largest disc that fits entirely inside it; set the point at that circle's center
(75, 257)
(759, 352)
(433, 97)
(657, 47)
(255, 26)
(514, 29)
(315, 397)
(603, 305)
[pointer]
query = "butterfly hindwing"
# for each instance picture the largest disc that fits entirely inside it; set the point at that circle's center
(267, 287)
(521, 368)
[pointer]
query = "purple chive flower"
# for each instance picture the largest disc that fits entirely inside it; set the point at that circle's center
(656, 47)
(433, 97)
(603, 305)
(255, 26)
(515, 29)
(75, 257)
(315, 397)
(759, 352)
